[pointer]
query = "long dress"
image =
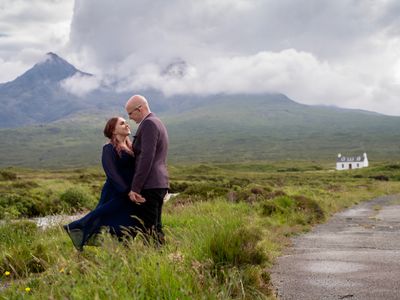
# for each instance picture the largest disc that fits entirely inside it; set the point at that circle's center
(115, 210)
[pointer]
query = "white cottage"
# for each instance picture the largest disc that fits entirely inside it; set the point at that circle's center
(351, 162)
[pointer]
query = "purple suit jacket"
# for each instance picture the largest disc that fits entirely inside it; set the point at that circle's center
(150, 146)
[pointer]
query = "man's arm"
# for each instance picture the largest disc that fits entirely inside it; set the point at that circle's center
(149, 135)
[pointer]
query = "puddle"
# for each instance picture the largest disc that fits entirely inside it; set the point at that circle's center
(389, 213)
(54, 220)
(334, 267)
(355, 212)
(332, 282)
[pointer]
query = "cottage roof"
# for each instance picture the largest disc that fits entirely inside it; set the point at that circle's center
(358, 158)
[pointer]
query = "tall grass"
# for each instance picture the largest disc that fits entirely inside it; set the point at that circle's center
(211, 253)
(223, 231)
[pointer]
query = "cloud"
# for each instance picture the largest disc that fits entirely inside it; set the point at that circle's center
(341, 52)
(10, 67)
(297, 74)
(29, 30)
(80, 84)
(330, 52)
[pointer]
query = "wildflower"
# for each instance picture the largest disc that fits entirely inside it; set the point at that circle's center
(27, 289)
(176, 257)
(7, 273)
(62, 270)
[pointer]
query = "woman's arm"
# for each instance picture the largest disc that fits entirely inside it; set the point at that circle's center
(109, 162)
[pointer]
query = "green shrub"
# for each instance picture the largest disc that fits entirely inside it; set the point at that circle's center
(312, 209)
(205, 190)
(250, 194)
(242, 182)
(237, 248)
(77, 198)
(393, 167)
(25, 184)
(275, 194)
(268, 208)
(285, 202)
(25, 203)
(7, 175)
(178, 186)
(291, 169)
(299, 209)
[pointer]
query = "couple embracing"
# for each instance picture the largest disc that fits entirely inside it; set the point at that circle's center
(137, 180)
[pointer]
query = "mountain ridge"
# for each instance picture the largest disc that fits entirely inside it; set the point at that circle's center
(47, 126)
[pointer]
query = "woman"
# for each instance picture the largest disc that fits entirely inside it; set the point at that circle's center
(115, 210)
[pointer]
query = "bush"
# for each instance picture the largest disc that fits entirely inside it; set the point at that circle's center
(268, 208)
(393, 167)
(242, 182)
(237, 248)
(24, 184)
(380, 177)
(25, 203)
(205, 190)
(7, 175)
(291, 169)
(290, 206)
(311, 208)
(251, 194)
(77, 198)
(178, 186)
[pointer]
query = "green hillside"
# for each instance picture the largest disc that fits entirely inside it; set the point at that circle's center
(218, 129)
(261, 128)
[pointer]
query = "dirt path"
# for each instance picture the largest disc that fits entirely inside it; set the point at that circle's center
(356, 255)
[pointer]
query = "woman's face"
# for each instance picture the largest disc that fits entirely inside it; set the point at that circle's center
(122, 128)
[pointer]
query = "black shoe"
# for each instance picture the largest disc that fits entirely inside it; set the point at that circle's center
(76, 236)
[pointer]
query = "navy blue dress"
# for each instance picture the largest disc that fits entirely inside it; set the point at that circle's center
(115, 210)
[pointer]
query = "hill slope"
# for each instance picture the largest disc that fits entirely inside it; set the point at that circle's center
(220, 128)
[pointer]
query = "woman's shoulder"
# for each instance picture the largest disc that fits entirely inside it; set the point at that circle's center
(107, 148)
(108, 145)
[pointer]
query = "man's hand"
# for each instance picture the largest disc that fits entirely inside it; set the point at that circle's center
(136, 198)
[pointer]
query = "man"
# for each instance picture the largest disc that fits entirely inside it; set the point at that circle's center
(150, 182)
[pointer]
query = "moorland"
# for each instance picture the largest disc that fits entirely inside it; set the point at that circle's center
(225, 227)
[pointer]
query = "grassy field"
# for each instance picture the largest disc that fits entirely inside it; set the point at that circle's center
(224, 229)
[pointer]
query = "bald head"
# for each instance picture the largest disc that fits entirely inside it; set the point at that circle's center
(137, 108)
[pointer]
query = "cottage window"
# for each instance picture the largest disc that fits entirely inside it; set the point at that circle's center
(343, 166)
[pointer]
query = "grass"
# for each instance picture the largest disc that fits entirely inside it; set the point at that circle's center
(224, 230)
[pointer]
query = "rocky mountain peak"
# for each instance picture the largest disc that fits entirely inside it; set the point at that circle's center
(51, 68)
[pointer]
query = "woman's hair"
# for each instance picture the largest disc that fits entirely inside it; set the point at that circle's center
(109, 133)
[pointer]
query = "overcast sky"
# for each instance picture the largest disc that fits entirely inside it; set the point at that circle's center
(343, 52)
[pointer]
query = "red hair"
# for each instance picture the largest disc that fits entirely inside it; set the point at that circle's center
(109, 133)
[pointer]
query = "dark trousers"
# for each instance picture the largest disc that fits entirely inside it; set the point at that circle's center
(150, 212)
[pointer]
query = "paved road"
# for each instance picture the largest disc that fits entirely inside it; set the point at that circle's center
(356, 255)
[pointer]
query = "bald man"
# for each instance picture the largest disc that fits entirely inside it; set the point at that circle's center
(150, 182)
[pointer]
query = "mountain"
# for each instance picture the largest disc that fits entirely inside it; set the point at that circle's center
(48, 126)
(37, 96)
(45, 94)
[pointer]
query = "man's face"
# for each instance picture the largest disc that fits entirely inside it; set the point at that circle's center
(135, 112)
